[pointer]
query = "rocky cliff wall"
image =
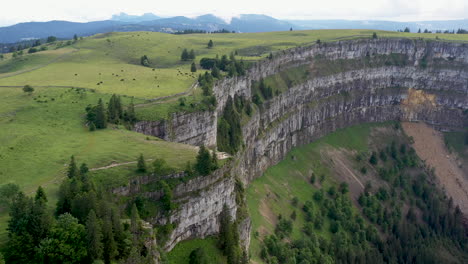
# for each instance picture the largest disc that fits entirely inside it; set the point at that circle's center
(432, 86)
(198, 128)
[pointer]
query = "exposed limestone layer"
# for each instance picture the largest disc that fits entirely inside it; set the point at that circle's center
(190, 128)
(311, 110)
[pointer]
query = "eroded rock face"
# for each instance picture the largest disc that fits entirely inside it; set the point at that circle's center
(197, 128)
(311, 110)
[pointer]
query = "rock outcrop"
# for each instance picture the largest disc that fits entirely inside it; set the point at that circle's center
(198, 128)
(431, 86)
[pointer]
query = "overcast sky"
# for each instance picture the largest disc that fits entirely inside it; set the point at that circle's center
(15, 11)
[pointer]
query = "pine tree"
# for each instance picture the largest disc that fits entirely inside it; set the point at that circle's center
(134, 257)
(39, 220)
(92, 126)
(94, 237)
(193, 68)
(210, 44)
(144, 61)
(203, 165)
(373, 159)
(129, 114)
(191, 55)
(134, 220)
(117, 228)
(214, 161)
(72, 171)
(141, 164)
(198, 256)
(109, 244)
(111, 112)
(118, 107)
(114, 109)
(100, 116)
(166, 200)
(215, 72)
(40, 195)
(84, 169)
(185, 55)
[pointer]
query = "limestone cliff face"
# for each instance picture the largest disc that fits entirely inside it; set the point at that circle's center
(197, 128)
(432, 86)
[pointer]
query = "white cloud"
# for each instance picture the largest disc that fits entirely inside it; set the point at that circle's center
(89, 10)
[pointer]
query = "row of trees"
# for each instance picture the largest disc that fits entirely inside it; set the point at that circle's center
(227, 64)
(187, 55)
(458, 31)
(98, 116)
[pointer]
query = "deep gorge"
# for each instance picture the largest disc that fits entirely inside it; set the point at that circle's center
(429, 84)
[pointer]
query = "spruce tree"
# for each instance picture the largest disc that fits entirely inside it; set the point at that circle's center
(84, 169)
(109, 244)
(118, 107)
(117, 228)
(100, 116)
(210, 44)
(185, 55)
(92, 126)
(134, 220)
(144, 61)
(72, 171)
(203, 165)
(198, 256)
(141, 164)
(214, 161)
(111, 112)
(166, 200)
(215, 72)
(129, 113)
(191, 55)
(94, 237)
(193, 68)
(40, 195)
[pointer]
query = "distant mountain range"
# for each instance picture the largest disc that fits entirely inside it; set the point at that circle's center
(244, 23)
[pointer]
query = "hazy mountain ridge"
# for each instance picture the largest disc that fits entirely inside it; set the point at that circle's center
(209, 22)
